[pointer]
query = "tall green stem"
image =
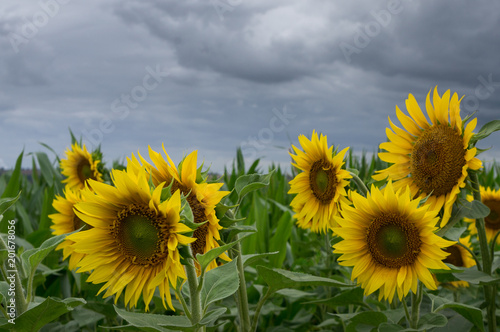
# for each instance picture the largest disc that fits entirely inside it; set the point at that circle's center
(192, 278)
(241, 296)
(416, 299)
(489, 290)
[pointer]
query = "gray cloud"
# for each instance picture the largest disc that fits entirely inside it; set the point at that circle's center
(230, 70)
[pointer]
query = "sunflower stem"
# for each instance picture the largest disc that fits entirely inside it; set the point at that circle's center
(263, 300)
(489, 290)
(196, 310)
(182, 300)
(416, 300)
(359, 183)
(241, 296)
(493, 243)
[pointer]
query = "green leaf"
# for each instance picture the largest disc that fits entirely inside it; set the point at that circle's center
(7, 202)
(473, 276)
(294, 294)
(472, 314)
(351, 296)
(212, 316)
(46, 168)
(152, 322)
(220, 283)
(431, 320)
(279, 279)
(280, 238)
(390, 327)
(485, 131)
(32, 257)
(15, 179)
(247, 183)
(206, 258)
(454, 233)
(366, 318)
(252, 258)
(41, 314)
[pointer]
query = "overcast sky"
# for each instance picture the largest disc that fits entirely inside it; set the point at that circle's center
(215, 75)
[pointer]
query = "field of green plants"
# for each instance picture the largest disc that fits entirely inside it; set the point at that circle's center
(263, 272)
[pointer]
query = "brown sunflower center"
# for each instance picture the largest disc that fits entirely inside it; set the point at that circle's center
(323, 181)
(492, 221)
(437, 159)
(393, 241)
(141, 235)
(455, 256)
(77, 222)
(200, 234)
(84, 171)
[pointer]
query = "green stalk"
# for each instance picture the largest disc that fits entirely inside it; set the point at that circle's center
(416, 300)
(258, 308)
(192, 278)
(359, 183)
(489, 290)
(241, 296)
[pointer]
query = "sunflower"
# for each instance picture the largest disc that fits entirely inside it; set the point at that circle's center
(490, 198)
(202, 197)
(390, 242)
(460, 257)
(432, 158)
(320, 187)
(66, 221)
(133, 245)
(79, 167)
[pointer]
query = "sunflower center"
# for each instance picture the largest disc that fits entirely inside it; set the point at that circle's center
(200, 234)
(77, 222)
(323, 181)
(455, 256)
(84, 171)
(492, 221)
(437, 159)
(393, 241)
(141, 235)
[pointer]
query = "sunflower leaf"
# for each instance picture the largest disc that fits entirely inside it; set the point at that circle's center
(279, 279)
(152, 322)
(366, 318)
(252, 258)
(248, 183)
(472, 314)
(32, 257)
(220, 283)
(473, 276)
(43, 313)
(351, 296)
(205, 259)
(431, 320)
(7, 202)
(485, 131)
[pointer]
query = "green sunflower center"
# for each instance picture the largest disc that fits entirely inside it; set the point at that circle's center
(200, 234)
(437, 159)
(84, 171)
(393, 241)
(323, 181)
(455, 256)
(141, 235)
(492, 221)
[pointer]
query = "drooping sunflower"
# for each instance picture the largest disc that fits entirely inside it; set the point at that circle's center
(133, 245)
(66, 221)
(491, 198)
(79, 167)
(460, 257)
(390, 242)
(201, 196)
(320, 187)
(432, 158)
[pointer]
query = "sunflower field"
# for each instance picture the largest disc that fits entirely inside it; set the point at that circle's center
(404, 240)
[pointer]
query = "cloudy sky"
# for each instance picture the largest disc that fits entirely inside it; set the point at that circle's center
(215, 75)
